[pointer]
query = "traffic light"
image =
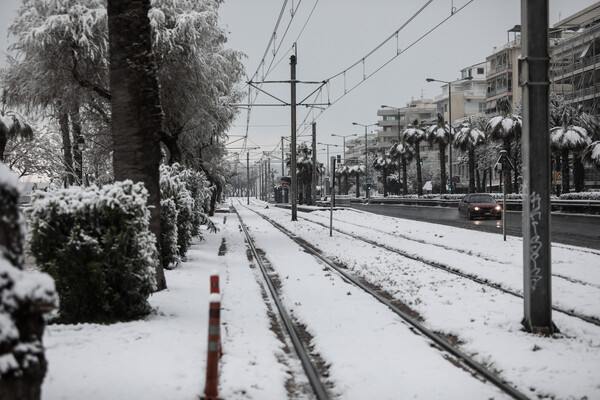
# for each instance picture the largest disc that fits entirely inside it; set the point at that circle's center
(368, 186)
(420, 162)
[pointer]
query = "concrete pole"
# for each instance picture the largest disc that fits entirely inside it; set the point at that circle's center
(248, 178)
(534, 79)
(294, 186)
(314, 163)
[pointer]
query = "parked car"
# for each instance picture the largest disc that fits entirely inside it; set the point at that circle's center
(475, 205)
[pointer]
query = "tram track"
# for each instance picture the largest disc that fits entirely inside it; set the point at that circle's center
(586, 318)
(456, 356)
(310, 368)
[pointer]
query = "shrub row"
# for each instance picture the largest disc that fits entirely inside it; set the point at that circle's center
(185, 197)
(95, 242)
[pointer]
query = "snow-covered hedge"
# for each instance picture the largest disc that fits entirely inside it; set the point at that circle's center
(581, 196)
(96, 244)
(24, 297)
(184, 198)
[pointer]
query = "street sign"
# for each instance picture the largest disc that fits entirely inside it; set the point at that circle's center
(369, 179)
(557, 178)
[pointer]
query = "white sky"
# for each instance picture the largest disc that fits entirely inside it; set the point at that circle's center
(342, 32)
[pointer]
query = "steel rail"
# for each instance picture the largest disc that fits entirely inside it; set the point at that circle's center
(307, 365)
(586, 318)
(445, 345)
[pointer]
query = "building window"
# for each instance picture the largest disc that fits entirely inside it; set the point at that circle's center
(387, 128)
(480, 71)
(389, 117)
(445, 107)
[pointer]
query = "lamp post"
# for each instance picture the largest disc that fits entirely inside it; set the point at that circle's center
(398, 109)
(449, 83)
(327, 144)
(344, 140)
(366, 155)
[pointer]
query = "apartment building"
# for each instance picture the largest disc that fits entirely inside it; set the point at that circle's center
(394, 120)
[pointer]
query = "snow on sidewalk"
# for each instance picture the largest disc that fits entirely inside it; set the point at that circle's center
(164, 356)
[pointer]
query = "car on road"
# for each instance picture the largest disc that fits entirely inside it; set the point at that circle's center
(474, 205)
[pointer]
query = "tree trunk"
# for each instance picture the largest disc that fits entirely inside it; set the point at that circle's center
(77, 141)
(478, 180)
(557, 167)
(506, 176)
(566, 178)
(3, 141)
(63, 120)
(578, 174)
(385, 186)
(442, 168)
(419, 176)
(346, 184)
(471, 170)
(136, 111)
(404, 177)
(357, 186)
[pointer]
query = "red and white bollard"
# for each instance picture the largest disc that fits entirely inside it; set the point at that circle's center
(211, 389)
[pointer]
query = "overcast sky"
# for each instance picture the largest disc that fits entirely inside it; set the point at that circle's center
(339, 34)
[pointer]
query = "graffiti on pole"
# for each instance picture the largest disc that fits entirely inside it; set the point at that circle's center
(535, 242)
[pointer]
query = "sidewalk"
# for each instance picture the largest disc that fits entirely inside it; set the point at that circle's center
(164, 356)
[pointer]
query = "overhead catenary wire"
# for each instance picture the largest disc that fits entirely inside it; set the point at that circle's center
(398, 53)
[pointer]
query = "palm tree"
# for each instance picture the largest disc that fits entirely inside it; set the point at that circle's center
(344, 171)
(400, 152)
(591, 154)
(568, 138)
(12, 125)
(441, 134)
(384, 164)
(136, 110)
(304, 167)
(467, 139)
(505, 127)
(413, 136)
(357, 171)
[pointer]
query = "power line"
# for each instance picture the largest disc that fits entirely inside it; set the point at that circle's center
(398, 53)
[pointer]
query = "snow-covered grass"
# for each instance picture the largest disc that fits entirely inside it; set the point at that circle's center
(367, 350)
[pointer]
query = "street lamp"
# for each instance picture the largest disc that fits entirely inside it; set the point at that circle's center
(449, 83)
(344, 140)
(398, 109)
(366, 155)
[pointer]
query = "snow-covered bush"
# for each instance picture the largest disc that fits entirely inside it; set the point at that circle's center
(581, 196)
(24, 297)
(96, 244)
(184, 195)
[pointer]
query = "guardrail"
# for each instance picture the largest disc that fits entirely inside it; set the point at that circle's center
(567, 206)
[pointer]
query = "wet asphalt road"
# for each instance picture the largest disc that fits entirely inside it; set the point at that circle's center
(577, 230)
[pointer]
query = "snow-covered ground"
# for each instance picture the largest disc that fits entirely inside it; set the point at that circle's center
(370, 353)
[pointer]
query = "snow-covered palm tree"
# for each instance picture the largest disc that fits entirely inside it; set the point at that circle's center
(12, 124)
(441, 134)
(467, 139)
(505, 127)
(356, 171)
(568, 138)
(344, 171)
(591, 154)
(413, 135)
(385, 164)
(402, 154)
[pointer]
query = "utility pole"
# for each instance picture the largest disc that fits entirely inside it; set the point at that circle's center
(248, 178)
(294, 186)
(282, 159)
(270, 184)
(314, 163)
(534, 79)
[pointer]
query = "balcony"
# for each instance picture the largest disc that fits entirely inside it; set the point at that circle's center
(577, 66)
(499, 68)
